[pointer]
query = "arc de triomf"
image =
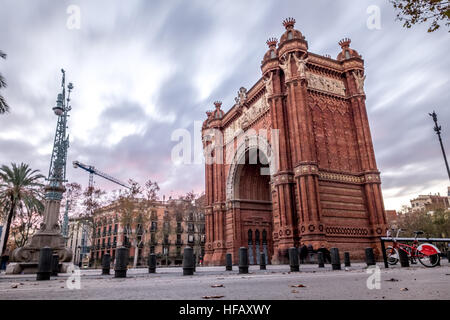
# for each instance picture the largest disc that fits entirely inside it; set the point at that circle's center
(321, 186)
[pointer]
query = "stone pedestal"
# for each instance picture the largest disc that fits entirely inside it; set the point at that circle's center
(25, 259)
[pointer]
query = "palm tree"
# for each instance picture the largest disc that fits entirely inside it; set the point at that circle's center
(3, 105)
(20, 187)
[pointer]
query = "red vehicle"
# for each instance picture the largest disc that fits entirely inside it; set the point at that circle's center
(426, 253)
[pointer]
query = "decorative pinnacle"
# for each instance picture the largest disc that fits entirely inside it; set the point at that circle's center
(289, 23)
(345, 43)
(272, 42)
(218, 104)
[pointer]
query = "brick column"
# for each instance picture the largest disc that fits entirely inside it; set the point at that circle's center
(283, 179)
(305, 163)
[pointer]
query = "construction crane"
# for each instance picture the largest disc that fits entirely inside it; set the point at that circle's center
(92, 171)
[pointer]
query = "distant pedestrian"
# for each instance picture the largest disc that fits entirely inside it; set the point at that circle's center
(326, 254)
(303, 253)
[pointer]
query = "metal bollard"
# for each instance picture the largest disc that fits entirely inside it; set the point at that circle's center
(121, 265)
(229, 262)
(370, 258)
(152, 263)
(45, 264)
(262, 261)
(195, 262)
(106, 264)
(320, 260)
(335, 259)
(448, 255)
(404, 260)
(347, 259)
(188, 262)
(293, 259)
(243, 260)
(55, 265)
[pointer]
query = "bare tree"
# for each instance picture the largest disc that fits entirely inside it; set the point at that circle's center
(419, 11)
(91, 200)
(25, 224)
(134, 209)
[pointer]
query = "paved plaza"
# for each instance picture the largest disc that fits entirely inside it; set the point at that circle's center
(416, 282)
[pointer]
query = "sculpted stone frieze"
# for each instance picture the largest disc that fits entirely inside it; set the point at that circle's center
(325, 84)
(248, 116)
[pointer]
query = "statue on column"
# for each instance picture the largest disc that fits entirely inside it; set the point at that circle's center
(269, 87)
(359, 78)
(301, 66)
(286, 66)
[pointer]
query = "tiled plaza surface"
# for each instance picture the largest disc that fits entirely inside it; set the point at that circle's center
(416, 282)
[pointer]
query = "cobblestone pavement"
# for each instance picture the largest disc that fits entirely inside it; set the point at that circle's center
(416, 282)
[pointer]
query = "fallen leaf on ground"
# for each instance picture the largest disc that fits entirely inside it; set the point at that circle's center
(14, 285)
(298, 286)
(217, 286)
(212, 297)
(403, 289)
(294, 291)
(392, 279)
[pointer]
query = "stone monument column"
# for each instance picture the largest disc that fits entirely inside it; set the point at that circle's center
(25, 259)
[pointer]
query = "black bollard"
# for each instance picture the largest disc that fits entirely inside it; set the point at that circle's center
(55, 265)
(448, 255)
(195, 262)
(188, 262)
(335, 259)
(293, 259)
(106, 264)
(404, 260)
(347, 259)
(121, 265)
(243, 260)
(370, 258)
(229, 262)
(262, 261)
(320, 260)
(45, 264)
(152, 263)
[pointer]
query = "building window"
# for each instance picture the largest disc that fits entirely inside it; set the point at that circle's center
(154, 226)
(190, 238)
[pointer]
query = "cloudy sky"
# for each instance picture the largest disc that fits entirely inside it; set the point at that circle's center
(142, 69)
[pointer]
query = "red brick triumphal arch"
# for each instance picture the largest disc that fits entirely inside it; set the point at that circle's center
(292, 161)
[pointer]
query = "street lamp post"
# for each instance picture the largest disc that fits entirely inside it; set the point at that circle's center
(49, 234)
(437, 129)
